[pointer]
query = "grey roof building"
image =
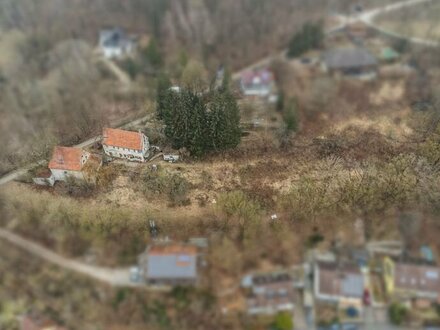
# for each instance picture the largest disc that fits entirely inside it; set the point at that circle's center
(171, 264)
(270, 293)
(349, 60)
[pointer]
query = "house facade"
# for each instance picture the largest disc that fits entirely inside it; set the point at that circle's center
(258, 83)
(269, 293)
(171, 264)
(115, 43)
(132, 146)
(411, 281)
(67, 162)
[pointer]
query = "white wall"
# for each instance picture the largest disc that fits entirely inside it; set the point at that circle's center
(117, 52)
(129, 154)
(112, 52)
(62, 175)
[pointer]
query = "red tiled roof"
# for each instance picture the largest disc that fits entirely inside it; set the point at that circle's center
(263, 76)
(65, 158)
(172, 249)
(122, 139)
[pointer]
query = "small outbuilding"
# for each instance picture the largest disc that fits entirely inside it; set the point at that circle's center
(69, 162)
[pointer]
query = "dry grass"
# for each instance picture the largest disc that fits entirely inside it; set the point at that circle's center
(418, 21)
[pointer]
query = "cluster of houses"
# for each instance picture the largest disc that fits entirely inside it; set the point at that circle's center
(76, 163)
(348, 285)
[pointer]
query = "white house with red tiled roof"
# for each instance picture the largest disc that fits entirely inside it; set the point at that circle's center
(68, 162)
(133, 146)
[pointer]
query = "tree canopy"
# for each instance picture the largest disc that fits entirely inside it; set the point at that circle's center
(309, 37)
(200, 122)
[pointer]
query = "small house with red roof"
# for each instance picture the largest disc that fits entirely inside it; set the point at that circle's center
(171, 264)
(68, 162)
(257, 83)
(132, 146)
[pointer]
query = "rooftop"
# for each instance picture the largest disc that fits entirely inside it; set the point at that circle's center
(271, 278)
(420, 278)
(122, 139)
(346, 58)
(113, 37)
(172, 261)
(345, 281)
(257, 77)
(66, 158)
(270, 290)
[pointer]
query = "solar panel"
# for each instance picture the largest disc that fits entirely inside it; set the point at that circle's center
(183, 258)
(353, 285)
(433, 275)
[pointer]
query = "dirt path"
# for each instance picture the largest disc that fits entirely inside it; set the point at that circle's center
(369, 16)
(121, 75)
(111, 276)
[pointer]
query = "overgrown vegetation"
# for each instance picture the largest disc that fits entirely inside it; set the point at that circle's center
(160, 182)
(283, 321)
(397, 313)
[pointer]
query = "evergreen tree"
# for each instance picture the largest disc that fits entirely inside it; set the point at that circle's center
(153, 54)
(309, 37)
(163, 95)
(224, 131)
(201, 122)
(290, 117)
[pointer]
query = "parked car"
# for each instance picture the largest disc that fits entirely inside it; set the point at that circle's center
(367, 298)
(135, 274)
(171, 158)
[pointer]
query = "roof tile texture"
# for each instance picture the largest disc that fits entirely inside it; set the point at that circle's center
(122, 139)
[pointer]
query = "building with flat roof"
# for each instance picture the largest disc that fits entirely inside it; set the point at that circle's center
(411, 281)
(171, 264)
(334, 283)
(269, 293)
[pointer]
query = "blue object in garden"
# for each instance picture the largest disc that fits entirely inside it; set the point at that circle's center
(427, 253)
(352, 312)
